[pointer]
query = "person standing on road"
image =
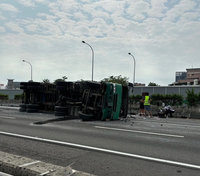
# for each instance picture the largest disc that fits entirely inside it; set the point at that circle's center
(147, 107)
(142, 107)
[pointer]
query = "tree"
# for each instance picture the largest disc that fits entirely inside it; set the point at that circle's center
(63, 79)
(192, 98)
(46, 81)
(117, 79)
(153, 84)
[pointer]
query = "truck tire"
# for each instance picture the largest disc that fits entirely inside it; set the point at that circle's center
(31, 108)
(22, 107)
(56, 113)
(61, 110)
(86, 117)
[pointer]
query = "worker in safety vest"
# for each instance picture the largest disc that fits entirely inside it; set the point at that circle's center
(147, 107)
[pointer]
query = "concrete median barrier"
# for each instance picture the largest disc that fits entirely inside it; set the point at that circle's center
(22, 166)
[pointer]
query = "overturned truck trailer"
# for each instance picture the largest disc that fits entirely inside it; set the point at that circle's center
(84, 99)
(60, 98)
(37, 97)
(69, 98)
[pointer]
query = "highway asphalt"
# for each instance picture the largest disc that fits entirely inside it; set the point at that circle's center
(135, 146)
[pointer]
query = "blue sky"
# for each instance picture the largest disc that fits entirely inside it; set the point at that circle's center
(163, 35)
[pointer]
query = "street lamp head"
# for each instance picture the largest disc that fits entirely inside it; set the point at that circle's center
(129, 53)
(23, 60)
(83, 41)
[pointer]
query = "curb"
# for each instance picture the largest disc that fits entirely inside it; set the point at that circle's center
(22, 166)
(9, 107)
(4, 174)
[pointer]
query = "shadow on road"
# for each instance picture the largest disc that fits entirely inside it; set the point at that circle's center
(55, 120)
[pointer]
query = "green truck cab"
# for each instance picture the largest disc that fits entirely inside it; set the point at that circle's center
(102, 101)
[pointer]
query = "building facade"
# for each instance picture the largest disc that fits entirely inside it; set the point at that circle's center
(193, 74)
(2, 86)
(190, 77)
(12, 85)
(181, 76)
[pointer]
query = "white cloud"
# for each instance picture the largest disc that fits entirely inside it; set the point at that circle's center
(2, 29)
(14, 27)
(100, 14)
(180, 9)
(162, 38)
(189, 16)
(157, 8)
(42, 1)
(32, 27)
(111, 6)
(79, 16)
(32, 3)
(28, 3)
(64, 6)
(8, 7)
(2, 17)
(84, 30)
(136, 9)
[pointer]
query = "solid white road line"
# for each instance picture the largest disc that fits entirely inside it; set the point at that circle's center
(103, 150)
(6, 117)
(9, 107)
(136, 131)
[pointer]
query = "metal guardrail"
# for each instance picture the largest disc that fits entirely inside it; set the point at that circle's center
(164, 90)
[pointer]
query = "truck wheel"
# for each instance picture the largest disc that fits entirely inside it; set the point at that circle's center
(61, 111)
(22, 107)
(56, 113)
(31, 108)
(85, 117)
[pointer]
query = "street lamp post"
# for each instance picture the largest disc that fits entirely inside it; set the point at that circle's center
(92, 57)
(31, 68)
(134, 68)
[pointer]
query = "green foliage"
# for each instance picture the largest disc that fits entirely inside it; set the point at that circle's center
(178, 99)
(18, 97)
(117, 79)
(152, 84)
(192, 98)
(46, 81)
(157, 97)
(3, 97)
(168, 99)
(135, 98)
(58, 80)
(63, 79)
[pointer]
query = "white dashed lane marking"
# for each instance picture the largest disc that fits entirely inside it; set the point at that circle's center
(142, 132)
